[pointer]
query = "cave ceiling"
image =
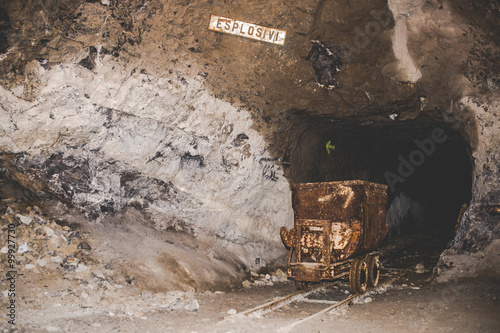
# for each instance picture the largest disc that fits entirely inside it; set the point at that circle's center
(135, 107)
(273, 82)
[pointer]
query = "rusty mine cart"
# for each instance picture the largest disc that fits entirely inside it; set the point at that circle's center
(338, 227)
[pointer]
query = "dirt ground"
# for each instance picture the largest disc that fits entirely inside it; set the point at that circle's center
(407, 300)
(467, 306)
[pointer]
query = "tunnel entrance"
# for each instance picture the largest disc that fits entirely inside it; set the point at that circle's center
(427, 167)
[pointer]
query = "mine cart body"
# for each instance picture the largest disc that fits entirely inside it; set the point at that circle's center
(335, 222)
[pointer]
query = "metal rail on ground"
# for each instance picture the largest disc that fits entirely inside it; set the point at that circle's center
(300, 296)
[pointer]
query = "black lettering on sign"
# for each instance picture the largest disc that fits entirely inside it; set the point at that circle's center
(247, 30)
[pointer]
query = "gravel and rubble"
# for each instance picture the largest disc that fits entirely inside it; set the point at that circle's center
(259, 280)
(56, 268)
(63, 284)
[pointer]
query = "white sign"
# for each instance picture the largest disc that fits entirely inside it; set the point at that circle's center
(247, 30)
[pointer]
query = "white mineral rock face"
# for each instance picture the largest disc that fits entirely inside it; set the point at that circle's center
(402, 10)
(114, 137)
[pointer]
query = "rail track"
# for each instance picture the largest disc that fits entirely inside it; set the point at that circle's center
(328, 294)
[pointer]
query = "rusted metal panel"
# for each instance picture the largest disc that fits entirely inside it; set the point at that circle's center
(315, 272)
(338, 201)
(288, 237)
(348, 203)
(351, 236)
(247, 30)
(311, 240)
(308, 271)
(374, 227)
(334, 222)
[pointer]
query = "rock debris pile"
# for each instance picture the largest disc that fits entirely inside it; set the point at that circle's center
(56, 267)
(41, 244)
(265, 279)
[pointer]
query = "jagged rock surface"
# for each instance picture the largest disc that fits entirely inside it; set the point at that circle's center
(133, 108)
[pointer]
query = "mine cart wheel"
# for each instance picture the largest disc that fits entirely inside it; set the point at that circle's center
(358, 276)
(372, 270)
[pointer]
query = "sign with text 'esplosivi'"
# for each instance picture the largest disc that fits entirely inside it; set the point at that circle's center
(247, 30)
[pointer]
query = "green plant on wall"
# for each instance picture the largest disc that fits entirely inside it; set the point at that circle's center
(329, 146)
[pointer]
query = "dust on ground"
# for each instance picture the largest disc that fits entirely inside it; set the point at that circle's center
(62, 284)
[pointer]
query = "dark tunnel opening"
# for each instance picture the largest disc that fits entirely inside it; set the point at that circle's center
(427, 167)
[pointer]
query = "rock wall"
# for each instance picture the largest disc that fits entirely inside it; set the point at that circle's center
(468, 83)
(474, 250)
(134, 108)
(113, 138)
